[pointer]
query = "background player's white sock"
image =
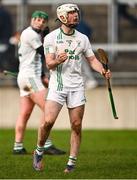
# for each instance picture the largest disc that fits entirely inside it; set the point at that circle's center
(47, 144)
(18, 145)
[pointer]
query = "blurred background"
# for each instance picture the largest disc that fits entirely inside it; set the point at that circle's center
(111, 25)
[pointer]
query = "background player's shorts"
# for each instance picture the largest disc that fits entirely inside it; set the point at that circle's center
(29, 85)
(72, 98)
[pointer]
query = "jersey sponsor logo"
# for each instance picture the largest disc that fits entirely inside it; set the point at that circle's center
(74, 57)
(59, 42)
(69, 42)
(71, 54)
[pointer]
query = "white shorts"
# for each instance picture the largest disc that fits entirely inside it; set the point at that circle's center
(72, 98)
(29, 85)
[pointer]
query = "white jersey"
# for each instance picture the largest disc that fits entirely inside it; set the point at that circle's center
(68, 75)
(30, 61)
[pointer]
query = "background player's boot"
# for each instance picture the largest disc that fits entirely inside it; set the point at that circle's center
(19, 151)
(52, 150)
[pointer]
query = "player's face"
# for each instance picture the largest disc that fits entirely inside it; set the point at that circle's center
(73, 18)
(39, 23)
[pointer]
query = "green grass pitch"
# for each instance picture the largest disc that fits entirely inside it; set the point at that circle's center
(104, 154)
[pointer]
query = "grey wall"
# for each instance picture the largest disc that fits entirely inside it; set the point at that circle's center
(97, 113)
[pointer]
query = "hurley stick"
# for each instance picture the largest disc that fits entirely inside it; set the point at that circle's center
(9, 73)
(104, 59)
(14, 74)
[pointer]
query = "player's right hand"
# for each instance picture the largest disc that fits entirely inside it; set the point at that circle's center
(62, 57)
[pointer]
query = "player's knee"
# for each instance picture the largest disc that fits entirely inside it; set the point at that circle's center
(76, 126)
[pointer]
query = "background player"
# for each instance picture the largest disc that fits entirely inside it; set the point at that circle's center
(32, 90)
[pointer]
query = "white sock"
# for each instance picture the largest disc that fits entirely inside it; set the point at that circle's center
(40, 150)
(48, 143)
(72, 161)
(18, 146)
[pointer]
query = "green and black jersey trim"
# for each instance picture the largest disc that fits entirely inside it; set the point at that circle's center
(73, 32)
(33, 84)
(59, 36)
(59, 78)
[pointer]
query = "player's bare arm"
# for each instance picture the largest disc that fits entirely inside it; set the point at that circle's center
(97, 66)
(53, 61)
